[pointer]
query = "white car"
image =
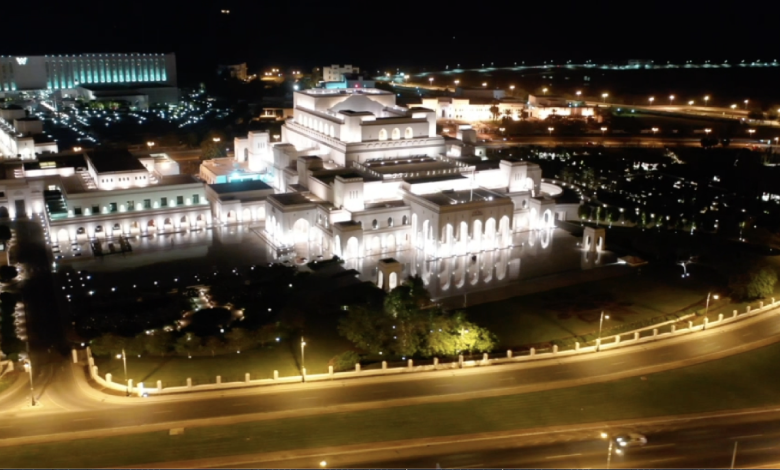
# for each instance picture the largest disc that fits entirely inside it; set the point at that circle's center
(631, 439)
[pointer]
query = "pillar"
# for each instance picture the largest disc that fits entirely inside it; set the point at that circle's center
(330, 371)
(555, 349)
(484, 357)
(509, 354)
(219, 379)
(460, 361)
(109, 377)
(246, 377)
(159, 386)
(747, 309)
(435, 362)
(690, 325)
(655, 332)
(189, 382)
(276, 375)
(706, 321)
(384, 365)
(636, 336)
(617, 339)
(357, 367)
(674, 329)
(720, 317)
(734, 314)
(409, 364)
(576, 345)
(533, 352)
(75, 355)
(761, 304)
(130, 385)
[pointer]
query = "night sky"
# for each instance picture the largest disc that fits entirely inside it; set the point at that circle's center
(394, 33)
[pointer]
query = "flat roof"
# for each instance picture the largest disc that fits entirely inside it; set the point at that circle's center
(239, 186)
(114, 161)
(59, 161)
(290, 199)
(328, 176)
(433, 179)
(448, 198)
(123, 86)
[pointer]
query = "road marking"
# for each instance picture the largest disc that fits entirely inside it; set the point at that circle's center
(562, 456)
(658, 446)
(616, 363)
(84, 419)
(746, 437)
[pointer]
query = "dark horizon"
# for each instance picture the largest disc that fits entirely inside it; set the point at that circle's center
(307, 34)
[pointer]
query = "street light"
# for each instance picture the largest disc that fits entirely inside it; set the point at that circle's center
(603, 129)
(733, 106)
(303, 366)
(651, 99)
(654, 129)
(746, 103)
(457, 82)
(707, 308)
(598, 341)
(484, 83)
(690, 103)
(671, 98)
(430, 80)
(706, 98)
(751, 132)
(604, 96)
(216, 139)
(609, 449)
(544, 90)
(77, 149)
(124, 361)
(550, 129)
(150, 144)
(28, 368)
(578, 93)
(707, 131)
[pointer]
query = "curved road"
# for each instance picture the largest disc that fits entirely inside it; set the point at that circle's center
(69, 404)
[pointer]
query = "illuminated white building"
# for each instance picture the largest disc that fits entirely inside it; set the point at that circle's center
(357, 176)
(335, 73)
(473, 109)
(21, 136)
(542, 107)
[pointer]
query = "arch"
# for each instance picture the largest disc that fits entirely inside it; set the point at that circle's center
(426, 233)
(463, 235)
(332, 131)
(231, 217)
(380, 278)
(415, 235)
(200, 221)
(246, 154)
(405, 220)
(490, 233)
(504, 234)
(4, 212)
(382, 134)
(135, 228)
(393, 280)
(408, 133)
(396, 134)
(99, 231)
(390, 222)
(476, 236)
(62, 235)
(246, 215)
(300, 231)
(353, 248)
(374, 224)
(390, 243)
(545, 238)
(376, 245)
(168, 225)
(81, 234)
(547, 219)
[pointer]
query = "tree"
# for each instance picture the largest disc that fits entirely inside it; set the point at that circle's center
(5, 233)
(239, 339)
(753, 282)
(8, 273)
(158, 344)
(213, 344)
(345, 361)
(188, 344)
(584, 211)
(494, 111)
(107, 345)
(365, 328)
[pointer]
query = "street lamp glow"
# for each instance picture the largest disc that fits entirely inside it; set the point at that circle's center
(690, 103)
(733, 106)
(746, 103)
(603, 129)
(671, 98)
(457, 82)
(303, 364)
(484, 83)
(323, 464)
(550, 129)
(651, 99)
(604, 96)
(706, 98)
(707, 131)
(544, 90)
(655, 129)
(578, 93)
(431, 80)
(150, 144)
(751, 132)
(511, 87)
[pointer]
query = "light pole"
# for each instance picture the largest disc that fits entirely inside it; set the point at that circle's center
(746, 103)
(690, 103)
(303, 364)
(707, 307)
(550, 129)
(603, 129)
(124, 362)
(457, 82)
(604, 97)
(150, 145)
(671, 98)
(707, 131)
(578, 93)
(706, 99)
(544, 91)
(430, 80)
(651, 99)
(654, 129)
(28, 368)
(598, 341)
(751, 132)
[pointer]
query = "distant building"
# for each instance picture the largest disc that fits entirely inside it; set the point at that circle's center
(335, 73)
(479, 92)
(238, 71)
(21, 136)
(473, 109)
(542, 107)
(352, 80)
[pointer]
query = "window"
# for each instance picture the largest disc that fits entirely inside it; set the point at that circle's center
(77, 210)
(96, 209)
(147, 203)
(375, 224)
(164, 202)
(2, 193)
(389, 221)
(196, 199)
(131, 205)
(179, 200)
(405, 220)
(111, 207)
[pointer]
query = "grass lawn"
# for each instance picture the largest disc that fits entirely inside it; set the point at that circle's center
(575, 310)
(321, 345)
(746, 380)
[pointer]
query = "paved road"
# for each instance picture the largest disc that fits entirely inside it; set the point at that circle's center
(672, 443)
(70, 405)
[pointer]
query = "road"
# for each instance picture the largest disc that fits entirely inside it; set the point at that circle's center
(70, 405)
(705, 443)
(496, 141)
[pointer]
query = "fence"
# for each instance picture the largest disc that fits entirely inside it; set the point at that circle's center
(649, 334)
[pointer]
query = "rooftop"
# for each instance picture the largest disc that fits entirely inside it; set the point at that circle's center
(448, 198)
(325, 92)
(57, 161)
(114, 161)
(239, 186)
(291, 199)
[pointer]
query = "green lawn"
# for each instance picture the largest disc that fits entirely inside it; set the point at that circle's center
(750, 379)
(562, 314)
(322, 344)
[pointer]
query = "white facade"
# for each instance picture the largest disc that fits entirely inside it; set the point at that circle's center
(23, 139)
(467, 109)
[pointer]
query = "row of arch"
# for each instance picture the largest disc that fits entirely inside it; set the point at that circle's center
(168, 225)
(318, 125)
(455, 273)
(463, 237)
(396, 133)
